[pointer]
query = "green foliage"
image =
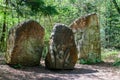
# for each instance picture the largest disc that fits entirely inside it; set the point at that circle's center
(90, 60)
(18, 66)
(40, 6)
(112, 26)
(72, 1)
(35, 5)
(117, 62)
(45, 51)
(49, 12)
(111, 55)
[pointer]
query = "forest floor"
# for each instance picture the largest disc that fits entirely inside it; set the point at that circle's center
(101, 71)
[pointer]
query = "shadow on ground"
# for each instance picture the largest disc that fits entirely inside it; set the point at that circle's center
(41, 73)
(42, 69)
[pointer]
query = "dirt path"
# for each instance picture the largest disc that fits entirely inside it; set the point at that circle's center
(102, 71)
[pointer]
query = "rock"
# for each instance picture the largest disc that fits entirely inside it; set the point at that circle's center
(87, 37)
(62, 49)
(25, 44)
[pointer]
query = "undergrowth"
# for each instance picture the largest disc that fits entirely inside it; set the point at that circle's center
(111, 54)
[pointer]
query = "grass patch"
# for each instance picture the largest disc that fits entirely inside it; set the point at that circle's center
(117, 62)
(91, 59)
(111, 54)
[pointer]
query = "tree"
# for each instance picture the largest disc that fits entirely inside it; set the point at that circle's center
(4, 27)
(112, 26)
(17, 10)
(116, 6)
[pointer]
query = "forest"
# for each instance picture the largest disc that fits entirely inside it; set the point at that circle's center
(49, 12)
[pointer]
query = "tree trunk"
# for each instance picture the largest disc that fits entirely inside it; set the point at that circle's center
(3, 28)
(51, 23)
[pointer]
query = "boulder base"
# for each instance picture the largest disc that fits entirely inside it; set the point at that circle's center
(25, 44)
(62, 49)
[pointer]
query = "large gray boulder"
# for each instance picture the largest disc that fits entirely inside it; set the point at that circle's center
(62, 49)
(87, 36)
(25, 44)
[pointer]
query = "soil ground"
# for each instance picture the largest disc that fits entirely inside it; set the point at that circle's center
(101, 71)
